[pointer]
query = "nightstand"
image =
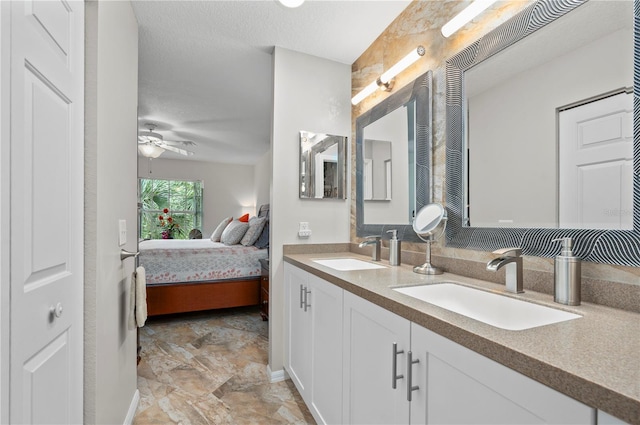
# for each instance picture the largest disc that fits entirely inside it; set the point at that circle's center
(264, 289)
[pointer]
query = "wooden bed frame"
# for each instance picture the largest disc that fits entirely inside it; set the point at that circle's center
(172, 298)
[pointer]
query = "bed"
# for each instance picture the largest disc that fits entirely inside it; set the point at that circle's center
(199, 274)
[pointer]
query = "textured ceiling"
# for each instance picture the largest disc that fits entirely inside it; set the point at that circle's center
(205, 70)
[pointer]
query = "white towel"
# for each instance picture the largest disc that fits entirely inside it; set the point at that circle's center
(138, 299)
(132, 303)
(141, 297)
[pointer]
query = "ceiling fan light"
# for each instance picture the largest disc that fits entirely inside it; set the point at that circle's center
(150, 150)
(150, 136)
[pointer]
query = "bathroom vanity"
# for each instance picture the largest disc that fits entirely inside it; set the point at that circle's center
(361, 352)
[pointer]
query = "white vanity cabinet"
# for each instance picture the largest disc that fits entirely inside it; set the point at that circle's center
(370, 333)
(458, 385)
(314, 342)
(349, 358)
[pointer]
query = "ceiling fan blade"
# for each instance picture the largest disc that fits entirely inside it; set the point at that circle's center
(176, 150)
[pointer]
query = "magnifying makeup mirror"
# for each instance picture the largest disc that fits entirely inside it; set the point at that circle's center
(424, 224)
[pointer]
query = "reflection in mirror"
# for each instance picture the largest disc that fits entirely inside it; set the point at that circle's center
(428, 218)
(542, 121)
(377, 170)
(393, 161)
(528, 129)
(322, 166)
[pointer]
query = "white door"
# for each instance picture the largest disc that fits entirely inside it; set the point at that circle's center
(46, 246)
(369, 335)
(596, 164)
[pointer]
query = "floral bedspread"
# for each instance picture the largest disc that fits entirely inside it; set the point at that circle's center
(174, 260)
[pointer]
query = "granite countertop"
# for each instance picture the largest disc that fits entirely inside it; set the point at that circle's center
(594, 359)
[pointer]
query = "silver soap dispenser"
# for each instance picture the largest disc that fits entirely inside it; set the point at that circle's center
(567, 275)
(394, 248)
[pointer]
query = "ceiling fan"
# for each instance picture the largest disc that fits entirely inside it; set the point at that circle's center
(152, 144)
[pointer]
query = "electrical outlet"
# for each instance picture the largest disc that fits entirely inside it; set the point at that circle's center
(122, 232)
(304, 230)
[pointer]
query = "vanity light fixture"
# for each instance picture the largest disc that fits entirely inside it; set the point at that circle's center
(385, 81)
(470, 12)
(291, 3)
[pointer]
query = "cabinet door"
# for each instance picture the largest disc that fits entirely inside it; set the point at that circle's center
(369, 334)
(325, 308)
(298, 330)
(461, 386)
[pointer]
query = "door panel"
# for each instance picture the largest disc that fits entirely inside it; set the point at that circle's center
(369, 334)
(50, 365)
(325, 309)
(46, 116)
(596, 164)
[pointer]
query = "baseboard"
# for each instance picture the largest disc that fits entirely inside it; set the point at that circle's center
(132, 408)
(277, 376)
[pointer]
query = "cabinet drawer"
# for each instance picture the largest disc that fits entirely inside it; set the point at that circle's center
(264, 283)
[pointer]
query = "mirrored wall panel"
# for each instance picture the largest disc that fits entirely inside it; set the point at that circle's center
(540, 143)
(393, 161)
(323, 170)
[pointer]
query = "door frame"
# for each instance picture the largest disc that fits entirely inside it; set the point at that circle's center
(5, 107)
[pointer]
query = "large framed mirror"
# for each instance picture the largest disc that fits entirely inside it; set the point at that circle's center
(323, 166)
(393, 161)
(535, 109)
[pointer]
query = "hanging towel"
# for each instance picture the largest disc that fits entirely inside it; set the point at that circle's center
(141, 297)
(132, 303)
(138, 299)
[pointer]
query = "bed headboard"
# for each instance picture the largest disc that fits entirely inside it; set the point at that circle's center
(263, 211)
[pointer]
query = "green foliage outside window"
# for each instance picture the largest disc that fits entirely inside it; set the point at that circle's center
(183, 199)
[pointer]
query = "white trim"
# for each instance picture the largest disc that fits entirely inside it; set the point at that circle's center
(5, 116)
(128, 420)
(277, 376)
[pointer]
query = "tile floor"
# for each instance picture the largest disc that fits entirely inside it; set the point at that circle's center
(210, 368)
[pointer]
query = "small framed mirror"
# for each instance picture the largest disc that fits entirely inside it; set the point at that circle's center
(323, 166)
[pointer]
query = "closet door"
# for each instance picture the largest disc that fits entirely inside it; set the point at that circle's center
(46, 117)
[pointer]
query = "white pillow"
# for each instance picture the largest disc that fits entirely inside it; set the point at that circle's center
(234, 232)
(256, 225)
(215, 236)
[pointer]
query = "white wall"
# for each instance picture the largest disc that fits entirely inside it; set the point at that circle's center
(111, 83)
(311, 94)
(262, 180)
(229, 189)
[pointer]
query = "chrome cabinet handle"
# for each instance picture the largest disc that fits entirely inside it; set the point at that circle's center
(394, 365)
(410, 386)
(306, 299)
(301, 292)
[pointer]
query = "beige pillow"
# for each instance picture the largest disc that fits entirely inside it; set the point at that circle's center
(215, 236)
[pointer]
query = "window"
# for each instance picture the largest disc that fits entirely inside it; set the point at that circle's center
(183, 199)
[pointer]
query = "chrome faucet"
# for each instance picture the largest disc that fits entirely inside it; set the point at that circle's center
(512, 259)
(372, 240)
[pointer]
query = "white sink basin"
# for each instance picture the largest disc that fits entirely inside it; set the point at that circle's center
(348, 264)
(493, 309)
